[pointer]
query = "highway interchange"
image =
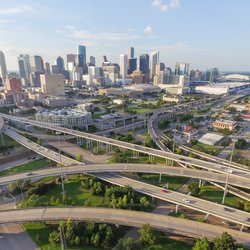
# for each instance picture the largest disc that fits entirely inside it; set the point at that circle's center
(197, 204)
(239, 177)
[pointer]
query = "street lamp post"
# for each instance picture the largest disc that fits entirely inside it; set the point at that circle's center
(60, 162)
(228, 172)
(173, 146)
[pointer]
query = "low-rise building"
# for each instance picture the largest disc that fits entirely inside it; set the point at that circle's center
(66, 118)
(119, 101)
(172, 98)
(55, 102)
(211, 139)
(224, 124)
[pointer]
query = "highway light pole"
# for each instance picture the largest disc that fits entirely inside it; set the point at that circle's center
(60, 161)
(228, 172)
(173, 146)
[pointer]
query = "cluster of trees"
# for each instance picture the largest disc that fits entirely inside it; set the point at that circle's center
(97, 150)
(89, 233)
(194, 188)
(125, 198)
(16, 188)
(240, 144)
(224, 242)
(4, 148)
(118, 197)
(127, 138)
(163, 124)
(148, 237)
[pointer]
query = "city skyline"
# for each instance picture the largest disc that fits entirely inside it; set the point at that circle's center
(205, 34)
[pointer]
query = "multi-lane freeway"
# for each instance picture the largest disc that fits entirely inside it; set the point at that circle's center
(132, 167)
(149, 151)
(121, 217)
(204, 206)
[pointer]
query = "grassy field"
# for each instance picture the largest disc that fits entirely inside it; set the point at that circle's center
(174, 182)
(77, 194)
(166, 243)
(139, 110)
(30, 166)
(212, 150)
(215, 194)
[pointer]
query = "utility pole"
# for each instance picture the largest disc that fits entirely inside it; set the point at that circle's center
(62, 238)
(60, 162)
(228, 172)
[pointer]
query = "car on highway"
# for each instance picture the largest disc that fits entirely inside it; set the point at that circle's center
(228, 170)
(164, 190)
(228, 209)
(186, 200)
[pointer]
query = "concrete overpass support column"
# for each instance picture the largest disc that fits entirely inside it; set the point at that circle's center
(200, 182)
(160, 178)
(2, 140)
(241, 228)
(206, 216)
(176, 208)
(77, 141)
(124, 122)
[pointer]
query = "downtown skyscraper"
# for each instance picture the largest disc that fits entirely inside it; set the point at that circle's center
(123, 66)
(3, 68)
(81, 58)
(153, 60)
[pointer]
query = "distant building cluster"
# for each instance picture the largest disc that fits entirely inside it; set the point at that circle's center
(133, 75)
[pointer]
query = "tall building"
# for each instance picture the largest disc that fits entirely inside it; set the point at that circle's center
(60, 64)
(52, 84)
(36, 64)
(3, 68)
(71, 58)
(81, 57)
(153, 60)
(132, 65)
(159, 67)
(123, 66)
(47, 68)
(131, 52)
(212, 74)
(182, 68)
(92, 60)
(24, 68)
(13, 84)
(144, 63)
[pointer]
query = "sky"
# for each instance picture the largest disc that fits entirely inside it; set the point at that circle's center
(205, 33)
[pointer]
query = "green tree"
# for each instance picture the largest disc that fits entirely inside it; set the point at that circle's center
(147, 235)
(225, 242)
(194, 188)
(240, 144)
(77, 241)
(128, 244)
(144, 202)
(78, 157)
(95, 239)
(202, 244)
(54, 237)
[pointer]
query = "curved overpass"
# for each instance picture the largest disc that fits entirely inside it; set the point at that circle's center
(123, 167)
(197, 204)
(121, 217)
(156, 133)
(130, 146)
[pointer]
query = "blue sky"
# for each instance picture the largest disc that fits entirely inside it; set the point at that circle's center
(205, 33)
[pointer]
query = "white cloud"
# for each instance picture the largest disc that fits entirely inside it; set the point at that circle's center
(161, 5)
(93, 38)
(16, 10)
(148, 30)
